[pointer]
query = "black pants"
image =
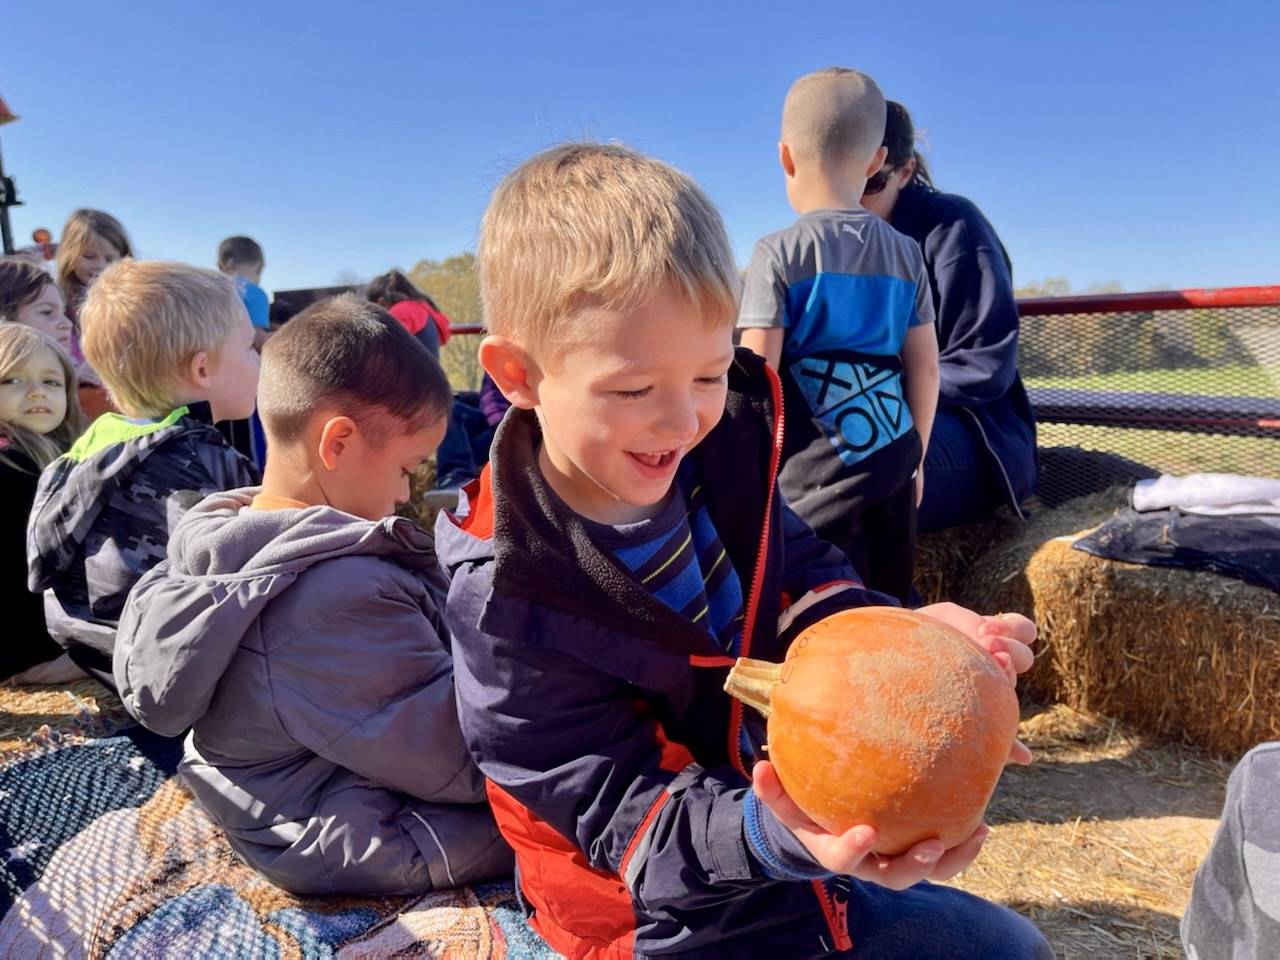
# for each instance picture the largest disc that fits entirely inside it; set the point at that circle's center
(880, 540)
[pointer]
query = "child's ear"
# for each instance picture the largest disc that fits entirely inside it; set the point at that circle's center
(877, 161)
(336, 439)
(510, 366)
(787, 161)
(200, 369)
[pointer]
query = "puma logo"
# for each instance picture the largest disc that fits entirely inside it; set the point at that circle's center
(856, 231)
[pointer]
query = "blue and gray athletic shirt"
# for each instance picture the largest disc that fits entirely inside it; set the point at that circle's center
(845, 287)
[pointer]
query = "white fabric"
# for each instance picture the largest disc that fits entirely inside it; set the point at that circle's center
(1209, 494)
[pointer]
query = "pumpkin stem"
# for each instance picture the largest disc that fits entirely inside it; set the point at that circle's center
(751, 681)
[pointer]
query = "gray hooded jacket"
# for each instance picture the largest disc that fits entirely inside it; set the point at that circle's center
(306, 651)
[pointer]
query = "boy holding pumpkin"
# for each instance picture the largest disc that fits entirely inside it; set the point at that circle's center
(625, 543)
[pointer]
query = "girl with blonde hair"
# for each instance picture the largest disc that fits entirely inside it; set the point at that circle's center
(40, 419)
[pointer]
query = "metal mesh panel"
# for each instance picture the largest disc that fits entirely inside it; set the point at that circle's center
(1123, 395)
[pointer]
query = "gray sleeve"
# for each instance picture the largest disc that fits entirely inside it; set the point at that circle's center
(1235, 900)
(924, 296)
(371, 689)
(764, 292)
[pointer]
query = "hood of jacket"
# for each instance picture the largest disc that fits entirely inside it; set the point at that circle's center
(76, 487)
(226, 562)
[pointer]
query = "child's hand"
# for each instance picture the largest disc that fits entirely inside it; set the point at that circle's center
(850, 852)
(1006, 636)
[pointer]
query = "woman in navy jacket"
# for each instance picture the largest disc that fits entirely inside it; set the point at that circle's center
(983, 449)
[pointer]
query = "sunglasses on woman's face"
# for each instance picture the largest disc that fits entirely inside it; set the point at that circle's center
(878, 182)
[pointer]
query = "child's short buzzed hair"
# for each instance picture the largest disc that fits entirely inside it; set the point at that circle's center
(833, 116)
(598, 225)
(241, 251)
(350, 354)
(143, 321)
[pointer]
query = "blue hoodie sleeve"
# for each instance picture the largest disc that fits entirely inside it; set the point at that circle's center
(976, 311)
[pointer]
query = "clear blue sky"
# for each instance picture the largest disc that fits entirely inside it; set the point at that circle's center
(1130, 142)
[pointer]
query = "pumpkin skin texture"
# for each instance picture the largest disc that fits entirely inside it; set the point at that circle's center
(885, 717)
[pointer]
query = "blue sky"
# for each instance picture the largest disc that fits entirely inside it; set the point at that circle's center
(1135, 142)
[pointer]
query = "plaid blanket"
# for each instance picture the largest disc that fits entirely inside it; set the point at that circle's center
(105, 854)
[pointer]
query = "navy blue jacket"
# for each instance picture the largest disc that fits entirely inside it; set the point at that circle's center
(616, 764)
(971, 277)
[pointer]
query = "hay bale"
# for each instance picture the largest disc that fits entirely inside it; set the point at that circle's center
(1179, 653)
(944, 556)
(996, 580)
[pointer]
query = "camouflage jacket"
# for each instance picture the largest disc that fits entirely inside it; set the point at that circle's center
(103, 513)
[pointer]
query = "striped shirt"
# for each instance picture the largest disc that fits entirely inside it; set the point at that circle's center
(678, 556)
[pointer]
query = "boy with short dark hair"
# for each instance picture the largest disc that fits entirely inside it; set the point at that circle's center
(626, 542)
(839, 304)
(298, 630)
(175, 350)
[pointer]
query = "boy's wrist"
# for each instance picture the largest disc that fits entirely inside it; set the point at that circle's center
(780, 855)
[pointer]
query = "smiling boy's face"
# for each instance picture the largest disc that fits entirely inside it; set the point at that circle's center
(622, 408)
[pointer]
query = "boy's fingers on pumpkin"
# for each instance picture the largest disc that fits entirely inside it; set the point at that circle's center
(991, 641)
(1017, 652)
(1021, 655)
(765, 782)
(1010, 671)
(904, 870)
(960, 856)
(1013, 626)
(844, 853)
(1020, 754)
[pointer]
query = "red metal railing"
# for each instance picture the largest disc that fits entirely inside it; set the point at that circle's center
(1267, 296)
(1220, 297)
(1222, 411)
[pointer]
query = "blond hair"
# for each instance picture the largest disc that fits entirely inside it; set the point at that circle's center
(144, 320)
(17, 343)
(81, 227)
(833, 116)
(587, 225)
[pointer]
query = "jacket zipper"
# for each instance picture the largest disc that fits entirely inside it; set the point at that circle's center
(1008, 485)
(836, 914)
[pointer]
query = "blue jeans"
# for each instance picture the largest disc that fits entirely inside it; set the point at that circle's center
(960, 484)
(932, 921)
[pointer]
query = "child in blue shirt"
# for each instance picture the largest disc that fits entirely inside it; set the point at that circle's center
(839, 304)
(241, 258)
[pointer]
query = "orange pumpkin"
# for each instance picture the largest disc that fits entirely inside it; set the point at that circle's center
(885, 717)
